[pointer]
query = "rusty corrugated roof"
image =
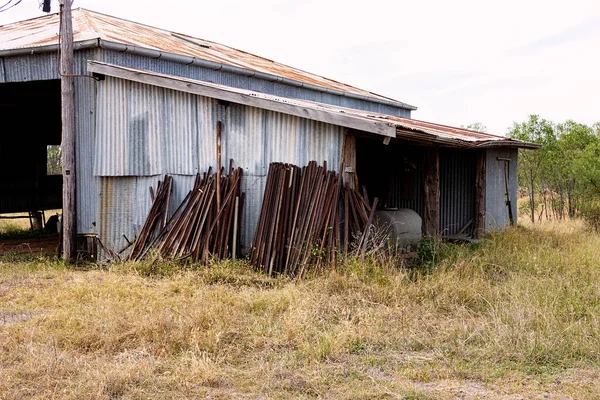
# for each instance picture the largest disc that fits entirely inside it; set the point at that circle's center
(404, 128)
(89, 25)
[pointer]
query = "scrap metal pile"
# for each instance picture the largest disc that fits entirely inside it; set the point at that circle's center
(206, 224)
(299, 224)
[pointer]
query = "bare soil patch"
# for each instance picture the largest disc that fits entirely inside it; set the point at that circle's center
(45, 245)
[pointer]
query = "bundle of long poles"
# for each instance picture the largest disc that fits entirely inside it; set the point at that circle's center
(200, 228)
(300, 224)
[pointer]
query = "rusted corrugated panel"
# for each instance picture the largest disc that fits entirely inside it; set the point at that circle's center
(457, 189)
(88, 25)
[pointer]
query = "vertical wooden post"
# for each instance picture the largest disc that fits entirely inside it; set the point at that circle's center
(67, 85)
(349, 162)
(431, 186)
(479, 228)
(219, 127)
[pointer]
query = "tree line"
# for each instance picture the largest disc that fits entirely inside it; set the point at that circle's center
(562, 179)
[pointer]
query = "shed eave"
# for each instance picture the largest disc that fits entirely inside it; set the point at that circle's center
(21, 51)
(299, 108)
(423, 136)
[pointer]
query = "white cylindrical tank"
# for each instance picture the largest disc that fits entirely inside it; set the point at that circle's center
(402, 225)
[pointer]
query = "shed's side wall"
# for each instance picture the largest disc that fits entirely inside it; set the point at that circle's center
(144, 132)
(244, 82)
(496, 211)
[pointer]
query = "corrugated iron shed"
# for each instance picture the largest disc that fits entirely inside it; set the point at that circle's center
(380, 124)
(92, 29)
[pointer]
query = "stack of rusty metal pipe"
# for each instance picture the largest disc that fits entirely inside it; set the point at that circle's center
(300, 226)
(205, 225)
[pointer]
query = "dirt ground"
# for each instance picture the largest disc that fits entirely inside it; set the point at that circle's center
(46, 245)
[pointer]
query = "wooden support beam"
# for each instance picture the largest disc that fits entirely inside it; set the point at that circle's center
(349, 162)
(67, 84)
(479, 227)
(431, 186)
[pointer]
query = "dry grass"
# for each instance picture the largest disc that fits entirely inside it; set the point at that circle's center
(515, 317)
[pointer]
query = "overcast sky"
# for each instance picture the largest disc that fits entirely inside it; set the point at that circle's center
(459, 61)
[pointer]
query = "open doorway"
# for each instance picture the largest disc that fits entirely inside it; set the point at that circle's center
(393, 173)
(31, 131)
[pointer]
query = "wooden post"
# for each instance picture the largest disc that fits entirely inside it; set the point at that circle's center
(479, 228)
(349, 162)
(431, 185)
(67, 85)
(219, 127)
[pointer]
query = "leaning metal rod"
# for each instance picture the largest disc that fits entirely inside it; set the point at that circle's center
(508, 202)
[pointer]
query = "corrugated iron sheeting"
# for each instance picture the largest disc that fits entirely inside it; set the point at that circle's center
(116, 210)
(30, 68)
(87, 183)
(144, 130)
(457, 189)
(296, 140)
(496, 211)
(243, 137)
(39, 67)
(151, 131)
(88, 25)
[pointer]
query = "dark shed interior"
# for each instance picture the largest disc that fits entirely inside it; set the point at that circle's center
(395, 174)
(31, 121)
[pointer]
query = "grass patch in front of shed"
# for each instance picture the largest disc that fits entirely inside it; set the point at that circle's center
(513, 316)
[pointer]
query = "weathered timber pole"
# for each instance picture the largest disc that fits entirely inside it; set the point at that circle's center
(67, 85)
(431, 186)
(480, 194)
(349, 165)
(218, 178)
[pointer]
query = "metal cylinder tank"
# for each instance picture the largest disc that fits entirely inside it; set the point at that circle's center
(403, 227)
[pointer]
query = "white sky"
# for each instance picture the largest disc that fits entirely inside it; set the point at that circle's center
(459, 61)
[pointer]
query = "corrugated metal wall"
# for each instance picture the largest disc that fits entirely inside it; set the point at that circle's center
(457, 189)
(496, 211)
(144, 132)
